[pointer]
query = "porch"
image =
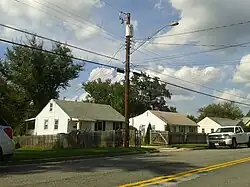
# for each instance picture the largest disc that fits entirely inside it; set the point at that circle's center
(94, 125)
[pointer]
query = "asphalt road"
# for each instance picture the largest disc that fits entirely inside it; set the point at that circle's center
(108, 172)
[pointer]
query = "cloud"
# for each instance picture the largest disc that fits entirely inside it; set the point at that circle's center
(159, 5)
(233, 95)
(242, 74)
(198, 14)
(74, 23)
(194, 74)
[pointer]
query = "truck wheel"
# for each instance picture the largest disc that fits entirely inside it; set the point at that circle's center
(234, 144)
(211, 146)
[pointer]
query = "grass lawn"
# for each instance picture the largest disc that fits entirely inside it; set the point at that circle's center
(39, 153)
(198, 146)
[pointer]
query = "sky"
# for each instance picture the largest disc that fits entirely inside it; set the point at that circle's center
(190, 54)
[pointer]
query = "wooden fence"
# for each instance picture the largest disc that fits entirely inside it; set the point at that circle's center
(79, 139)
(164, 137)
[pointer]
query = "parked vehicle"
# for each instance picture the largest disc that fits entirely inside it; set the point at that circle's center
(228, 136)
(7, 145)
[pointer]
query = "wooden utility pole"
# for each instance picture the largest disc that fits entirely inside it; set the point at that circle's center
(129, 35)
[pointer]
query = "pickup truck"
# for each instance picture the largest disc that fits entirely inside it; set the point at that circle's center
(228, 136)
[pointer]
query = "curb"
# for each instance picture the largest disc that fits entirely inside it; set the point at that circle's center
(74, 158)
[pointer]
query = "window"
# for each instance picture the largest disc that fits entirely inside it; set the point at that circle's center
(192, 129)
(212, 130)
(100, 126)
(117, 125)
(182, 129)
(56, 124)
(46, 124)
(203, 130)
(166, 127)
(50, 107)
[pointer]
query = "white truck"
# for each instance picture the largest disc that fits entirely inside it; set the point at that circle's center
(7, 146)
(228, 136)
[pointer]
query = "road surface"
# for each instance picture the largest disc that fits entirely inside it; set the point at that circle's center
(121, 171)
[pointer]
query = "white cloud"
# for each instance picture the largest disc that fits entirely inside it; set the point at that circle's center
(195, 74)
(198, 14)
(61, 20)
(159, 5)
(233, 95)
(104, 74)
(242, 74)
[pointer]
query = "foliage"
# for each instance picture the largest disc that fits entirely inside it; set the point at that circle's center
(193, 118)
(223, 110)
(248, 114)
(147, 136)
(34, 75)
(145, 94)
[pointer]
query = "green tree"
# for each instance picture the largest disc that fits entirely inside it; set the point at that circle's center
(147, 136)
(223, 110)
(38, 75)
(193, 118)
(145, 93)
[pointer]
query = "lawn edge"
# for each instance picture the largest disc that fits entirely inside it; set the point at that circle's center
(74, 158)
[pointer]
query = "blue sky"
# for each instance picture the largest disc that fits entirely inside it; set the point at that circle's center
(223, 70)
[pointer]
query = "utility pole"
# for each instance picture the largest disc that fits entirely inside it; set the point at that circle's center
(129, 35)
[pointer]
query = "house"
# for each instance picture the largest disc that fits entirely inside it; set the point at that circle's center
(61, 116)
(163, 121)
(211, 124)
(246, 121)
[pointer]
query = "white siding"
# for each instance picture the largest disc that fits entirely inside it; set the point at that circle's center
(146, 118)
(56, 113)
(207, 124)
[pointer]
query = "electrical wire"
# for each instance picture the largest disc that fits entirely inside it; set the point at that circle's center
(71, 23)
(192, 53)
(54, 53)
(97, 63)
(49, 39)
(202, 30)
(203, 86)
(198, 45)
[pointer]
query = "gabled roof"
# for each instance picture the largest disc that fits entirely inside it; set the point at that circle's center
(246, 120)
(90, 111)
(226, 121)
(174, 118)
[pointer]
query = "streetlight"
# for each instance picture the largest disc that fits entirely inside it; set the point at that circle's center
(175, 23)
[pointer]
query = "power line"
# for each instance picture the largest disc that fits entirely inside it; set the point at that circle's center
(203, 93)
(189, 82)
(192, 53)
(203, 30)
(49, 39)
(76, 15)
(116, 9)
(71, 23)
(155, 33)
(54, 53)
(97, 63)
(198, 45)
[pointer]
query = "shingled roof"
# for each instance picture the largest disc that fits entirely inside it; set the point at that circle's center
(90, 111)
(226, 121)
(174, 118)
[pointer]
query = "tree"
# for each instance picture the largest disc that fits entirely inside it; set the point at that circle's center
(38, 75)
(147, 136)
(223, 110)
(145, 93)
(193, 118)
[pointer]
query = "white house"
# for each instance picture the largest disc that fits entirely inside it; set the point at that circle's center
(60, 116)
(211, 124)
(163, 121)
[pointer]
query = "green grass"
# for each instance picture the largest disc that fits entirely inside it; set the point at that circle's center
(196, 146)
(39, 153)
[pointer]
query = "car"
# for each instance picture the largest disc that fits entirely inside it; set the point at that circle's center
(7, 146)
(228, 136)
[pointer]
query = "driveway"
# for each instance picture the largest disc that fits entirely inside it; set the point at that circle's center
(108, 172)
